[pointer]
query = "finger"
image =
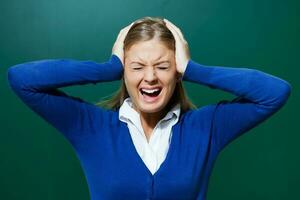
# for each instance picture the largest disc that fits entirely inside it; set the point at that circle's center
(125, 30)
(174, 32)
(122, 34)
(176, 29)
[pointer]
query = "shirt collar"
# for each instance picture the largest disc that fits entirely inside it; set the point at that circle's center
(127, 112)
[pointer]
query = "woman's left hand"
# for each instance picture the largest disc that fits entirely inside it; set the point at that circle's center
(182, 54)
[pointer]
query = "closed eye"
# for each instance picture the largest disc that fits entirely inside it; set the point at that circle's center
(163, 68)
(137, 68)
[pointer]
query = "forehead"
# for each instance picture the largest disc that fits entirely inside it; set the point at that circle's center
(149, 51)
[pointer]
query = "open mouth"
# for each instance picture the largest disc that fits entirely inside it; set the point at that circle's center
(150, 93)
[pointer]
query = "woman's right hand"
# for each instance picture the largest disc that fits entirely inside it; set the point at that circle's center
(119, 43)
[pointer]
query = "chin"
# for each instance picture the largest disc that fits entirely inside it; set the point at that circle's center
(150, 109)
(146, 106)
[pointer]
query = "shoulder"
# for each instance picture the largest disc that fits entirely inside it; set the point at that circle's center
(99, 114)
(201, 116)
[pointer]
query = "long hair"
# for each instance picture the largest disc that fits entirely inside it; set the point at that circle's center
(145, 29)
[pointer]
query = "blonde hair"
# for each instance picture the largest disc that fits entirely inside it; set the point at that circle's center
(145, 29)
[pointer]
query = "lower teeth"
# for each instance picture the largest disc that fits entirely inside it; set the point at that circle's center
(151, 95)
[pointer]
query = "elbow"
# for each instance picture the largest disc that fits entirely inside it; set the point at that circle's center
(286, 90)
(283, 92)
(11, 75)
(14, 77)
(276, 90)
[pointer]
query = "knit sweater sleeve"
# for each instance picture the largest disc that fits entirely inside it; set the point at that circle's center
(36, 83)
(259, 95)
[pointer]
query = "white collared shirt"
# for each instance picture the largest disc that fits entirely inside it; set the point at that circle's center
(154, 152)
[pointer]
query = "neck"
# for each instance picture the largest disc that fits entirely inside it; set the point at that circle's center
(151, 119)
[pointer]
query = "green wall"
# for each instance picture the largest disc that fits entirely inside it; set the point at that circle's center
(36, 162)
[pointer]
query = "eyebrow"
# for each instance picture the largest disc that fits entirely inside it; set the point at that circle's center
(164, 61)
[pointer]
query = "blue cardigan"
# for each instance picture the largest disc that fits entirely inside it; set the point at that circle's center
(102, 142)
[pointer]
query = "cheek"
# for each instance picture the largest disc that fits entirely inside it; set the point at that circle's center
(133, 78)
(171, 86)
(168, 79)
(131, 83)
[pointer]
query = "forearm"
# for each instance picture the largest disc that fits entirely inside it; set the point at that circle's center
(254, 85)
(55, 73)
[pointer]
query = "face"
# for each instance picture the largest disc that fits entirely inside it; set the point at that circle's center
(150, 75)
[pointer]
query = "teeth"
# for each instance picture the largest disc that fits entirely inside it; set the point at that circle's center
(150, 91)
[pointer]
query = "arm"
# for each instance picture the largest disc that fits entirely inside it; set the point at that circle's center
(259, 96)
(36, 84)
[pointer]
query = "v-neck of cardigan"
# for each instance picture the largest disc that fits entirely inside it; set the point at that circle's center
(140, 160)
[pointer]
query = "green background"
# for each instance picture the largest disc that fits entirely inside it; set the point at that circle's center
(37, 162)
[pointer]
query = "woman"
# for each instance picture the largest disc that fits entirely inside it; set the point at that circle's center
(151, 144)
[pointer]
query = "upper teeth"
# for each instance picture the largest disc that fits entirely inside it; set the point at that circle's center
(150, 91)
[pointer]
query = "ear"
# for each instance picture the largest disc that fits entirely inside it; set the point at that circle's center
(178, 77)
(123, 80)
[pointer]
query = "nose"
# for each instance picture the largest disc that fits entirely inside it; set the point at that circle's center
(150, 75)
